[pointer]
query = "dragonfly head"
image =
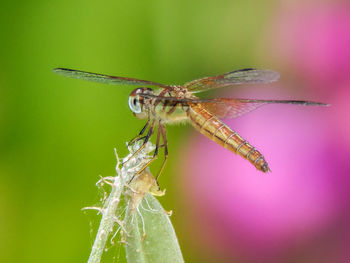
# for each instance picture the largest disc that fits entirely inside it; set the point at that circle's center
(137, 102)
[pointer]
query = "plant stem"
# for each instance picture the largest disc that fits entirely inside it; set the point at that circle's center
(107, 222)
(131, 165)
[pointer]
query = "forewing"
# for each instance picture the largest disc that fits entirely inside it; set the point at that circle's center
(243, 76)
(77, 74)
(222, 107)
(232, 108)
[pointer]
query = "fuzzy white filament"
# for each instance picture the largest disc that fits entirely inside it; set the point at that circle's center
(125, 172)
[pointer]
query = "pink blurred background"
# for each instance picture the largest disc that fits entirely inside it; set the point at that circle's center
(299, 212)
(57, 134)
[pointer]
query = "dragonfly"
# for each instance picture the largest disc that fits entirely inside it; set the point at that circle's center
(171, 104)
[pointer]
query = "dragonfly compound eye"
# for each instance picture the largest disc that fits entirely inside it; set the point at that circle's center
(134, 104)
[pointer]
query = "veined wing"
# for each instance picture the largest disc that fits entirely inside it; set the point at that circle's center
(232, 107)
(77, 74)
(243, 76)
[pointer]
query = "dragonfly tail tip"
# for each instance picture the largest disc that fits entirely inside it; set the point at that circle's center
(265, 168)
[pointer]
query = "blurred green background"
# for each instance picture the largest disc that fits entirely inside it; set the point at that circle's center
(57, 134)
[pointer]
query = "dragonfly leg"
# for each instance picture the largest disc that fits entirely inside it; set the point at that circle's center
(150, 132)
(165, 145)
(155, 154)
(138, 137)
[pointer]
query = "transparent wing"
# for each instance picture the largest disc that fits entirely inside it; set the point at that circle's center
(232, 107)
(77, 74)
(243, 76)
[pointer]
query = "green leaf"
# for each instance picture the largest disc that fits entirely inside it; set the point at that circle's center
(150, 235)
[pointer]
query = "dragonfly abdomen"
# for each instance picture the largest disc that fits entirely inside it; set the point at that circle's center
(216, 130)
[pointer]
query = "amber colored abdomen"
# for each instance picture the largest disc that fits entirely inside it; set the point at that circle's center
(210, 126)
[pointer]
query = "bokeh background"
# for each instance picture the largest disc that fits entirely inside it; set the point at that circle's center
(57, 134)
